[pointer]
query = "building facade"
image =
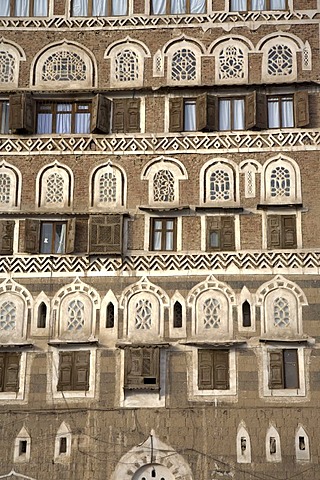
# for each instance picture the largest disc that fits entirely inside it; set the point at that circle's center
(159, 239)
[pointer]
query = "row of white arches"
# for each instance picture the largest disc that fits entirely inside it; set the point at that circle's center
(244, 449)
(72, 312)
(218, 180)
(64, 63)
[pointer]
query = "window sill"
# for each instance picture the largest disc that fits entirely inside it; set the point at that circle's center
(279, 206)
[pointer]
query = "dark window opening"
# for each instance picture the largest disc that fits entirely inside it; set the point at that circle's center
(273, 445)
(22, 447)
(284, 369)
(110, 316)
(302, 443)
(63, 445)
(177, 315)
(42, 315)
(246, 314)
(243, 444)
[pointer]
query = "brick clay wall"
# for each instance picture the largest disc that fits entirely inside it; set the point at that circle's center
(203, 431)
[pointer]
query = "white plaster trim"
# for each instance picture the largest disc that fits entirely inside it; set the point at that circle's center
(212, 165)
(180, 332)
(276, 40)
(302, 455)
(23, 435)
(243, 456)
(246, 295)
(63, 432)
(197, 54)
(41, 332)
(295, 177)
(109, 335)
(68, 178)
(121, 187)
(15, 188)
(275, 457)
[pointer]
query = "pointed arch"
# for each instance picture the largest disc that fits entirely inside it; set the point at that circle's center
(108, 186)
(54, 186)
(62, 65)
(302, 445)
(164, 455)
(10, 186)
(246, 297)
(41, 326)
(273, 446)
(243, 445)
(108, 332)
(143, 304)
(62, 446)
(174, 330)
(22, 446)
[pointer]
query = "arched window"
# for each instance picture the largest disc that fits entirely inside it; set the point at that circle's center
(54, 186)
(281, 312)
(62, 447)
(302, 445)
(273, 448)
(8, 315)
(163, 186)
(177, 315)
(75, 315)
(143, 314)
(7, 67)
(110, 316)
(126, 66)
(10, 186)
(246, 314)
(22, 446)
(212, 313)
(219, 183)
(13, 315)
(10, 57)
(42, 315)
(281, 181)
(64, 65)
(281, 308)
(243, 446)
(108, 187)
(184, 65)
(127, 63)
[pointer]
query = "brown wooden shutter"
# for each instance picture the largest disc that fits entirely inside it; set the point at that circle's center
(291, 368)
(274, 231)
(289, 234)
(2, 370)
(261, 111)
(201, 112)
(133, 116)
(11, 374)
(65, 371)
(105, 234)
(71, 233)
(212, 113)
(276, 370)
(81, 370)
(301, 109)
(21, 118)
(176, 114)
(119, 115)
(32, 236)
(221, 369)
(205, 370)
(100, 114)
(227, 233)
(142, 368)
(6, 237)
(250, 110)
(214, 227)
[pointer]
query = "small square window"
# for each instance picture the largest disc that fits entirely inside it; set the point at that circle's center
(22, 447)
(284, 369)
(213, 369)
(163, 234)
(74, 370)
(53, 237)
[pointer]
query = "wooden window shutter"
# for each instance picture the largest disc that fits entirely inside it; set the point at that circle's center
(274, 231)
(250, 110)
(105, 234)
(301, 109)
(227, 233)
(291, 368)
(212, 113)
(81, 370)
(261, 111)
(289, 233)
(276, 370)
(2, 370)
(71, 233)
(142, 368)
(100, 114)
(11, 374)
(214, 228)
(201, 112)
(176, 114)
(205, 369)
(65, 371)
(21, 118)
(32, 236)
(6, 237)
(221, 369)
(119, 115)
(133, 115)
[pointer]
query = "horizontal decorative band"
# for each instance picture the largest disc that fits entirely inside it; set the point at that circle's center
(270, 262)
(193, 142)
(215, 19)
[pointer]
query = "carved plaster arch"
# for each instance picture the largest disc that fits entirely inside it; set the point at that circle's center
(121, 195)
(211, 283)
(212, 164)
(16, 194)
(126, 42)
(143, 285)
(153, 451)
(280, 282)
(296, 188)
(183, 38)
(40, 188)
(14, 475)
(10, 286)
(231, 38)
(76, 286)
(280, 35)
(13, 49)
(250, 163)
(145, 174)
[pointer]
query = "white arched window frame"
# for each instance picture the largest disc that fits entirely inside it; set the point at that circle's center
(54, 187)
(219, 183)
(42, 298)
(127, 63)
(231, 60)
(10, 57)
(243, 445)
(109, 335)
(281, 181)
(175, 332)
(170, 191)
(22, 447)
(62, 444)
(273, 446)
(108, 187)
(75, 317)
(10, 187)
(184, 63)
(302, 445)
(13, 317)
(279, 61)
(249, 169)
(246, 296)
(64, 66)
(281, 314)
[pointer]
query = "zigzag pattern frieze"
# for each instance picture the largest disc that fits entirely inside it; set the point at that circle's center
(161, 143)
(225, 19)
(233, 262)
